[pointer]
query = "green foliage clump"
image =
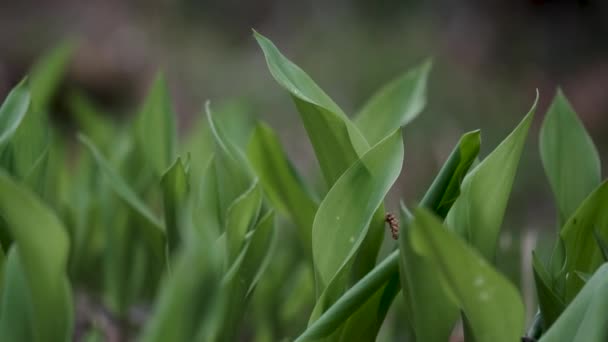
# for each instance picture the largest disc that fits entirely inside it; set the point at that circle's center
(218, 238)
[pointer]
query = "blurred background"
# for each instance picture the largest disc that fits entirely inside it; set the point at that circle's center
(489, 57)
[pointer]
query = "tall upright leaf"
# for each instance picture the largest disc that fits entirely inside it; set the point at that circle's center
(569, 156)
(174, 183)
(395, 104)
(43, 249)
(13, 110)
(280, 181)
(478, 213)
(491, 304)
(155, 126)
(16, 310)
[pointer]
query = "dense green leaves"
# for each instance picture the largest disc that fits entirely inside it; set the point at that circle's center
(153, 230)
(492, 305)
(586, 318)
(43, 253)
(395, 105)
(478, 213)
(174, 184)
(569, 157)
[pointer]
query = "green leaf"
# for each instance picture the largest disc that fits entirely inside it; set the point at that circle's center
(430, 312)
(280, 181)
(491, 304)
(47, 74)
(91, 120)
(186, 297)
(569, 157)
(44, 255)
(582, 251)
(336, 140)
(352, 300)
(602, 244)
(232, 170)
(395, 104)
(550, 303)
(240, 281)
(153, 232)
(241, 215)
(13, 110)
(586, 318)
(174, 183)
(156, 131)
(445, 188)
(476, 218)
(344, 214)
(16, 307)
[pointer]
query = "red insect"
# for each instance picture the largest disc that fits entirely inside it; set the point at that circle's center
(393, 223)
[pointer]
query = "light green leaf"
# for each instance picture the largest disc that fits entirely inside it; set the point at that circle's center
(241, 215)
(280, 181)
(156, 131)
(336, 140)
(491, 304)
(232, 170)
(582, 252)
(395, 104)
(344, 214)
(43, 254)
(569, 157)
(586, 318)
(153, 232)
(478, 213)
(13, 110)
(174, 183)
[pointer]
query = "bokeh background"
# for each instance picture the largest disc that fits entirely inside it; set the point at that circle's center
(489, 57)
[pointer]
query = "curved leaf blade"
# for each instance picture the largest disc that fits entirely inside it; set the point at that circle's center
(491, 304)
(13, 110)
(395, 105)
(478, 212)
(569, 157)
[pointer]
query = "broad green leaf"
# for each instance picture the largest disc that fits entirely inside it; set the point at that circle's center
(569, 157)
(395, 104)
(430, 312)
(240, 216)
(47, 74)
(174, 183)
(586, 318)
(550, 303)
(582, 252)
(206, 216)
(232, 170)
(13, 110)
(155, 126)
(478, 212)
(336, 140)
(153, 232)
(601, 243)
(280, 181)
(43, 254)
(16, 311)
(343, 217)
(491, 304)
